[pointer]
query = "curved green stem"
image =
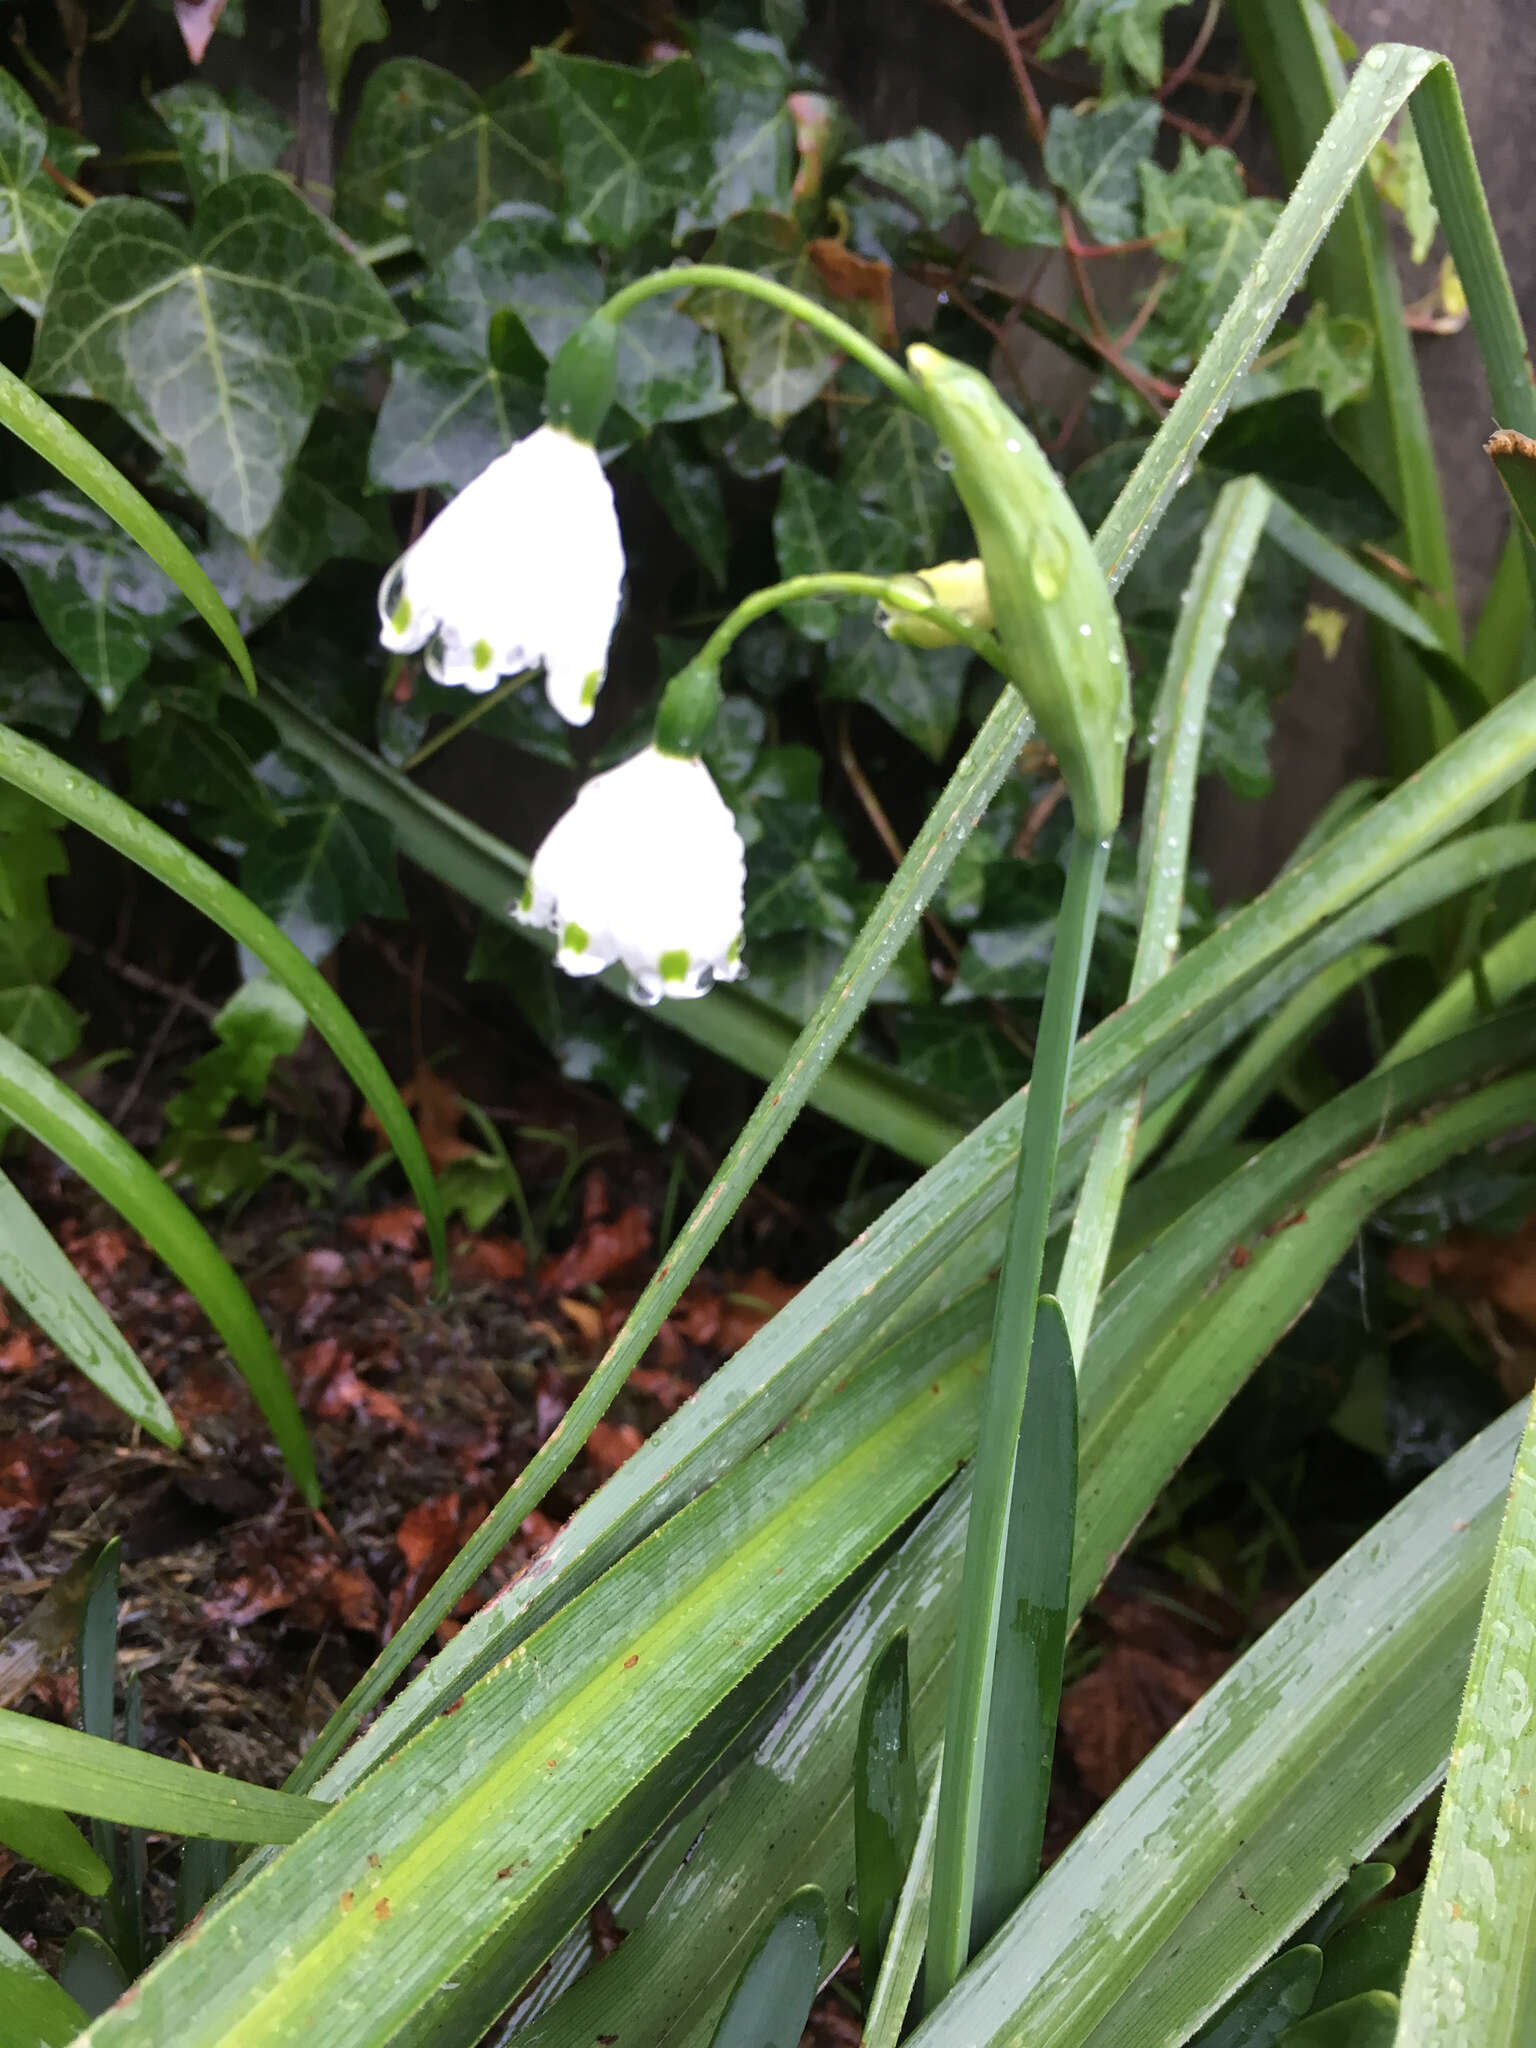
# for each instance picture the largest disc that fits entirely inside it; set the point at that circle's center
(897, 592)
(965, 1739)
(687, 277)
(466, 719)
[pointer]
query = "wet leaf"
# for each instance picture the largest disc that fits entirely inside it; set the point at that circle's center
(800, 874)
(1287, 441)
(345, 26)
(601, 1250)
(219, 136)
(322, 867)
(632, 145)
(1213, 232)
(820, 526)
(428, 157)
(1007, 204)
(37, 687)
(751, 129)
(97, 596)
(1095, 159)
(917, 690)
(689, 493)
(920, 168)
(890, 461)
(1120, 35)
(861, 285)
(213, 342)
(779, 363)
(35, 218)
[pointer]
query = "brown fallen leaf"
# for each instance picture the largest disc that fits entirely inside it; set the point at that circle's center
(1478, 1266)
(428, 1538)
(18, 1354)
(497, 1259)
(31, 1469)
(611, 1444)
(601, 1249)
(749, 1304)
(857, 280)
(1146, 1680)
(399, 1228)
(669, 1390)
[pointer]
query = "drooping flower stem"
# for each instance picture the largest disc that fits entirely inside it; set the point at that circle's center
(687, 277)
(902, 594)
(965, 1740)
(477, 710)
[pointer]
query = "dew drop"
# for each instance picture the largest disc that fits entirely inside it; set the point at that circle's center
(1013, 446)
(1086, 630)
(1049, 560)
(943, 459)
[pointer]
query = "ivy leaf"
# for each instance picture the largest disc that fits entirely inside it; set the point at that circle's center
(217, 138)
(321, 517)
(345, 25)
(215, 346)
(800, 874)
(689, 493)
(97, 595)
(185, 755)
(429, 158)
(820, 526)
(747, 78)
(37, 688)
(517, 263)
(33, 952)
(669, 368)
(1286, 440)
(1212, 231)
(960, 1053)
(1239, 726)
(632, 145)
(447, 413)
(917, 690)
(1007, 204)
(1119, 35)
(778, 362)
(1331, 354)
(325, 865)
(1095, 158)
(35, 220)
(596, 1037)
(891, 460)
(920, 168)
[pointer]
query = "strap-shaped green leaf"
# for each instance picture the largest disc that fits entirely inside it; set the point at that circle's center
(59, 1119)
(772, 2002)
(40, 1835)
(34, 2011)
(45, 1765)
(32, 768)
(37, 1275)
(214, 342)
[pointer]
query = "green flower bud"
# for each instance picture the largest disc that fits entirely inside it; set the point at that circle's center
(687, 711)
(1052, 607)
(579, 388)
(960, 587)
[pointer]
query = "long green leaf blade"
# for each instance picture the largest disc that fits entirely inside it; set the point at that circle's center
(53, 1843)
(40, 1279)
(44, 1765)
(772, 2003)
(885, 1813)
(34, 2011)
(32, 768)
(59, 1119)
(1470, 1975)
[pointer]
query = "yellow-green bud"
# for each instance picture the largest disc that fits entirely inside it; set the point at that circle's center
(960, 587)
(687, 710)
(1051, 605)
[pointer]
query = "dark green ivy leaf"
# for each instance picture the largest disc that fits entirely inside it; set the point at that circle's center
(325, 865)
(37, 688)
(1287, 441)
(890, 460)
(1121, 36)
(1333, 355)
(428, 157)
(920, 168)
(35, 219)
(323, 516)
(1007, 204)
(917, 690)
(688, 491)
(961, 1053)
(218, 137)
(820, 526)
(215, 343)
(747, 79)
(1095, 159)
(632, 145)
(1212, 232)
(448, 412)
(185, 754)
(800, 874)
(778, 362)
(97, 595)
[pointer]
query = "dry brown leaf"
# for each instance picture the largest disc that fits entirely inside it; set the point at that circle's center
(601, 1249)
(856, 280)
(610, 1444)
(497, 1259)
(398, 1228)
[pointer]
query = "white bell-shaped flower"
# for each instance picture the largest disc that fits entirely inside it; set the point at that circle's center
(647, 868)
(525, 566)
